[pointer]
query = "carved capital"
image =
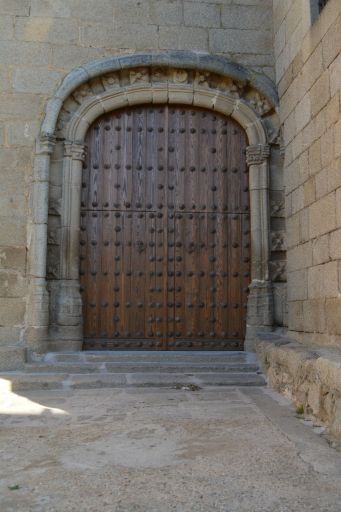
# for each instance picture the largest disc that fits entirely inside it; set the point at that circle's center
(75, 151)
(45, 145)
(257, 154)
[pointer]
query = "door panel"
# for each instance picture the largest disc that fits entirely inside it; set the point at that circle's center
(211, 262)
(123, 279)
(165, 250)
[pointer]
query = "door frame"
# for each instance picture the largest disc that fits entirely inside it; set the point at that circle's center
(54, 312)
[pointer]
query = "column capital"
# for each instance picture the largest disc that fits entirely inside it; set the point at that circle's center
(45, 144)
(257, 154)
(75, 150)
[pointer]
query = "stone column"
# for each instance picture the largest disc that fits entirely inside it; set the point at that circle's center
(37, 312)
(260, 302)
(69, 302)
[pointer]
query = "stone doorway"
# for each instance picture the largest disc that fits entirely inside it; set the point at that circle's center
(165, 230)
(54, 320)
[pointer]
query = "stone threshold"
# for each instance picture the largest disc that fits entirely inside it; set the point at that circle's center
(309, 376)
(134, 369)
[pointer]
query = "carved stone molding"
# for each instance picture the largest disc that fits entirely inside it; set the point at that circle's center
(152, 75)
(179, 76)
(277, 208)
(202, 78)
(258, 102)
(274, 136)
(75, 151)
(82, 93)
(55, 206)
(139, 75)
(45, 145)
(257, 154)
(278, 241)
(110, 81)
(278, 271)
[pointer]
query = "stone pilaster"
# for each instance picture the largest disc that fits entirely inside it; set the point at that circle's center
(37, 317)
(68, 300)
(260, 302)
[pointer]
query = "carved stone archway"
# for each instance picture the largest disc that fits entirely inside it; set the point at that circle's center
(54, 312)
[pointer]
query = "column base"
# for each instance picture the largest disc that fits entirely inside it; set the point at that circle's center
(259, 311)
(66, 328)
(68, 304)
(37, 314)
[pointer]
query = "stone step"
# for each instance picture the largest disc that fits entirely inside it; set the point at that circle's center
(148, 356)
(141, 367)
(22, 381)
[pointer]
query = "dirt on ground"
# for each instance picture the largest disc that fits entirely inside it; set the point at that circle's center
(162, 450)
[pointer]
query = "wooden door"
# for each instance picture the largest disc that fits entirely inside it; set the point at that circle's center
(165, 236)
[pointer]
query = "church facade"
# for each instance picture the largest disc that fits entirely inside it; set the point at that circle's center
(170, 175)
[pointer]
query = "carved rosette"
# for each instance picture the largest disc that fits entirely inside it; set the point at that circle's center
(180, 76)
(257, 154)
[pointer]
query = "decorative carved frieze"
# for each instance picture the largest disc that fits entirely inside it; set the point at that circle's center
(278, 271)
(55, 206)
(53, 269)
(159, 74)
(202, 78)
(278, 241)
(52, 237)
(257, 154)
(180, 76)
(277, 208)
(274, 136)
(139, 75)
(63, 119)
(258, 102)
(231, 87)
(82, 93)
(110, 81)
(187, 77)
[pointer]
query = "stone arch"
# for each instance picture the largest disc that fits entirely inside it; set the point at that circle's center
(103, 86)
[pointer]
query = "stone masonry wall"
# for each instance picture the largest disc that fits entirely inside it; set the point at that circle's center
(308, 69)
(42, 40)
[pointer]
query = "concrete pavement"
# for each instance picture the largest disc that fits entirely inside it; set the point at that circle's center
(161, 450)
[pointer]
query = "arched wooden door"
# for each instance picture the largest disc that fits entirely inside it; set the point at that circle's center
(165, 240)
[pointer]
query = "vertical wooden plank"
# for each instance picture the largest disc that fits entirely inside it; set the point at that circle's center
(204, 164)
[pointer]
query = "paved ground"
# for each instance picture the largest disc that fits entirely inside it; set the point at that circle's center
(218, 449)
